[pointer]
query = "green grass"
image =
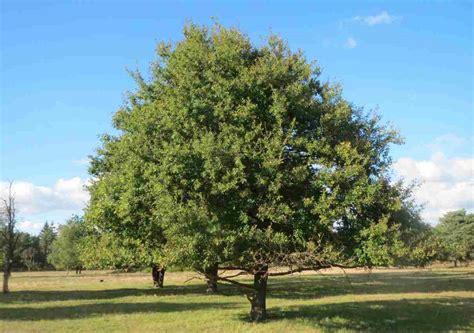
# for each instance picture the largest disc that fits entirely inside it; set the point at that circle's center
(393, 300)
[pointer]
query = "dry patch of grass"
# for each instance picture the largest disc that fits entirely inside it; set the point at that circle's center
(383, 300)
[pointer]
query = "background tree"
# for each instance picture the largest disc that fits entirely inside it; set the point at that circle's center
(28, 252)
(455, 231)
(65, 248)
(47, 236)
(245, 158)
(418, 245)
(9, 236)
(28, 257)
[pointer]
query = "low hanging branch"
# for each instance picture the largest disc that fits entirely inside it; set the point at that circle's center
(298, 270)
(228, 279)
(235, 275)
(236, 283)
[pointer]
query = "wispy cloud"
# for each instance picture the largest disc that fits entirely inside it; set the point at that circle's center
(449, 142)
(82, 161)
(382, 18)
(350, 43)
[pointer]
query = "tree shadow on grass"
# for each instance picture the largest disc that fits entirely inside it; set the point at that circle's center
(28, 296)
(440, 314)
(64, 295)
(306, 287)
(100, 309)
(290, 287)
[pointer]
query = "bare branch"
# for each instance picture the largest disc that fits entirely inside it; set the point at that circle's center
(235, 275)
(192, 278)
(236, 283)
(299, 270)
(234, 268)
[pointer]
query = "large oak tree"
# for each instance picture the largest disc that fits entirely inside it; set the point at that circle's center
(239, 155)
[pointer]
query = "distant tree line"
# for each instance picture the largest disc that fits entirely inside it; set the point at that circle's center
(67, 246)
(31, 252)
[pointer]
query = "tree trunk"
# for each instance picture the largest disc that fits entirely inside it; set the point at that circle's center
(161, 277)
(6, 277)
(154, 275)
(455, 263)
(211, 278)
(258, 311)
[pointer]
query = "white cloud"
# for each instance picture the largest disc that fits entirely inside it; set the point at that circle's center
(33, 227)
(382, 18)
(350, 43)
(64, 195)
(445, 183)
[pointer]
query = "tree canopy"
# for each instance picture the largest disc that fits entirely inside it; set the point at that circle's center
(107, 251)
(456, 234)
(240, 155)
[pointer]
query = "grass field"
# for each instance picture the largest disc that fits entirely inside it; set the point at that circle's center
(392, 300)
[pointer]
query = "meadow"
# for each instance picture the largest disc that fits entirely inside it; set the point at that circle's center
(437, 299)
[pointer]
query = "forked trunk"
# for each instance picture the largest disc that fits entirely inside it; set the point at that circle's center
(161, 277)
(158, 275)
(258, 302)
(211, 278)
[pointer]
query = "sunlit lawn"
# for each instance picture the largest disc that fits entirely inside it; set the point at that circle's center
(423, 300)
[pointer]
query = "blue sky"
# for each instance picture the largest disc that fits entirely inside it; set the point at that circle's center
(63, 75)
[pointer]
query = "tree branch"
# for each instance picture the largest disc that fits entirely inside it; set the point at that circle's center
(314, 268)
(238, 274)
(298, 270)
(234, 268)
(236, 283)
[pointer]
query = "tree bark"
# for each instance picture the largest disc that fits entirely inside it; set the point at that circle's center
(158, 275)
(211, 278)
(6, 277)
(455, 263)
(9, 236)
(161, 277)
(154, 275)
(258, 311)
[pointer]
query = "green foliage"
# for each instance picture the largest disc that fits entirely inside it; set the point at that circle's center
(456, 236)
(47, 236)
(380, 244)
(419, 245)
(426, 250)
(65, 248)
(28, 253)
(241, 155)
(107, 251)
